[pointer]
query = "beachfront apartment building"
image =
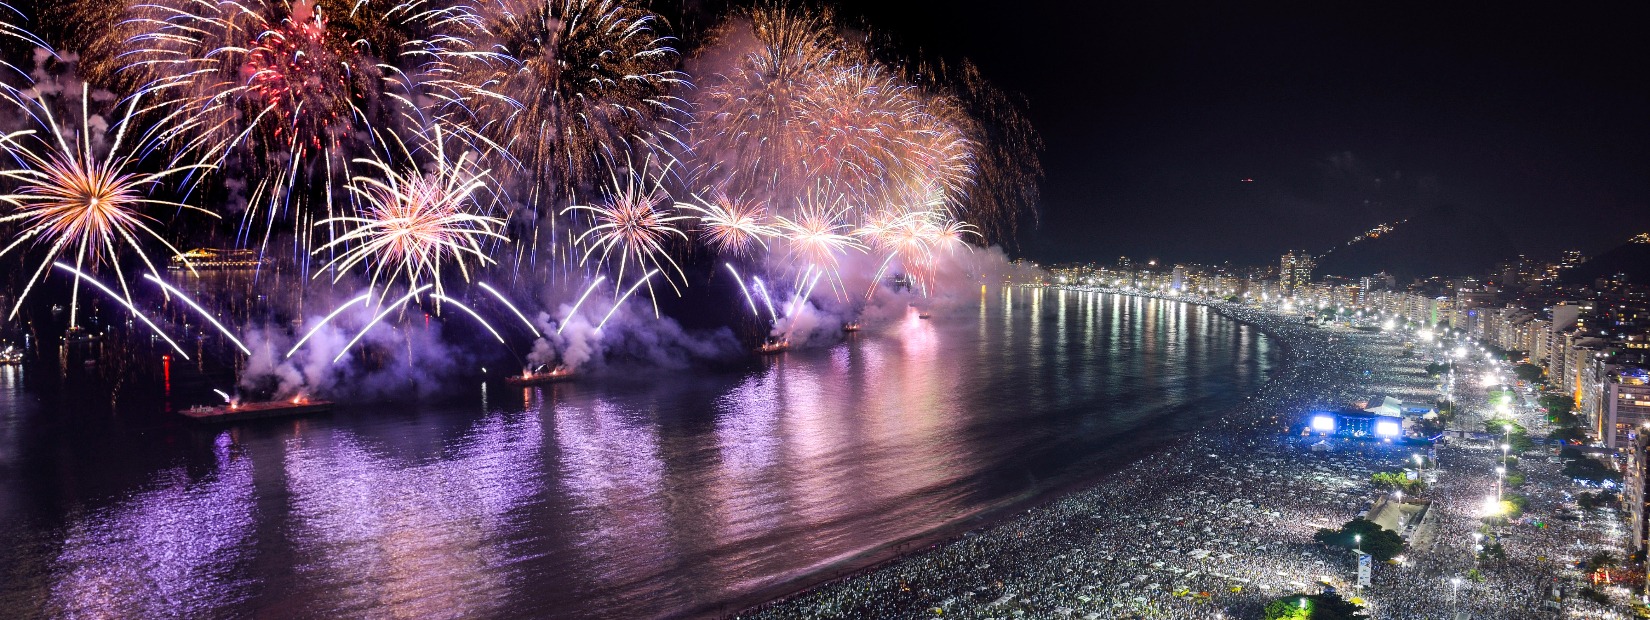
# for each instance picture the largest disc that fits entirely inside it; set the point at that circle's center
(1295, 270)
(1626, 405)
(1635, 493)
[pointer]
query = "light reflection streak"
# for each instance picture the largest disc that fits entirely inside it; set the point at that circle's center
(169, 551)
(608, 462)
(414, 539)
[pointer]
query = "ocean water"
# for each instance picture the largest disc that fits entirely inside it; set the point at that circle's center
(638, 493)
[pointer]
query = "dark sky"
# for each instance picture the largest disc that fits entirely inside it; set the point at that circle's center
(1345, 115)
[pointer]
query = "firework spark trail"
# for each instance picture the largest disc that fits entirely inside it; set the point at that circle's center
(877, 279)
(472, 313)
(622, 298)
(335, 312)
(225, 395)
(801, 293)
(796, 287)
(8, 29)
(124, 302)
(766, 300)
(202, 311)
(805, 295)
(386, 312)
(578, 303)
(78, 202)
(743, 289)
(512, 308)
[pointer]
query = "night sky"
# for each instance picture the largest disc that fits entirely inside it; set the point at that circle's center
(1533, 122)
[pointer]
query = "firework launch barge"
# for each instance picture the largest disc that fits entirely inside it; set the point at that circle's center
(560, 373)
(236, 412)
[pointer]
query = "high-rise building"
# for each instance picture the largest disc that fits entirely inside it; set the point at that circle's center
(1625, 406)
(1636, 492)
(1295, 271)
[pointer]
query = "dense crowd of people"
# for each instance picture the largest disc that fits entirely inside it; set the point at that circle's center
(1222, 522)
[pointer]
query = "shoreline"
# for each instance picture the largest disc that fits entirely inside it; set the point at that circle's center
(895, 552)
(1227, 521)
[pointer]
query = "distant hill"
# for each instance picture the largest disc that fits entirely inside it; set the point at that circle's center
(1630, 258)
(1443, 241)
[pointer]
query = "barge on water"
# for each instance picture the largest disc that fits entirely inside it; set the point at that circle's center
(235, 412)
(529, 377)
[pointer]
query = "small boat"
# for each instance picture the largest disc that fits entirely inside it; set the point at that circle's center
(237, 411)
(533, 377)
(924, 314)
(851, 326)
(774, 346)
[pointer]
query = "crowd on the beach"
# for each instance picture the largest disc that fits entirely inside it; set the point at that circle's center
(1222, 522)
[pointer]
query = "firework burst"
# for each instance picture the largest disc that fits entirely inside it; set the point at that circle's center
(416, 223)
(574, 86)
(914, 239)
(631, 227)
(906, 236)
(730, 225)
(78, 203)
(878, 136)
(801, 103)
(745, 118)
(290, 88)
(817, 237)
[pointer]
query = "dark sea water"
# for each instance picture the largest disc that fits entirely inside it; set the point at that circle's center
(638, 494)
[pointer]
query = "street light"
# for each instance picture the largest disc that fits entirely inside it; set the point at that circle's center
(1358, 539)
(1499, 472)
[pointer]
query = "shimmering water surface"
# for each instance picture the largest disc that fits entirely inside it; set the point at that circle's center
(633, 495)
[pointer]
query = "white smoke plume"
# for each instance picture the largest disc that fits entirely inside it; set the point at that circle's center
(631, 334)
(396, 357)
